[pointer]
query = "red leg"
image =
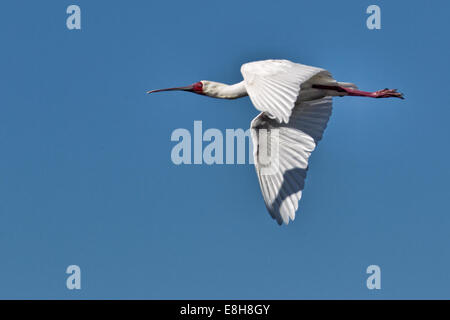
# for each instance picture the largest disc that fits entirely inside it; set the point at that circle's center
(385, 93)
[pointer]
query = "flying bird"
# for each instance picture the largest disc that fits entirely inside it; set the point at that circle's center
(295, 101)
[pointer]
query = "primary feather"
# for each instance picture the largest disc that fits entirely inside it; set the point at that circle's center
(274, 85)
(282, 177)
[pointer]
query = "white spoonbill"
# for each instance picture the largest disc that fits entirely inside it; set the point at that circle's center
(295, 101)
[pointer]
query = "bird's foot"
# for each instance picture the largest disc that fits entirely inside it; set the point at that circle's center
(388, 93)
(347, 91)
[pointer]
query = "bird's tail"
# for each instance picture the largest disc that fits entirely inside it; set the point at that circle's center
(347, 85)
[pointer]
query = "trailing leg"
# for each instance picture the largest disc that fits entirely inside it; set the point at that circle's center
(346, 91)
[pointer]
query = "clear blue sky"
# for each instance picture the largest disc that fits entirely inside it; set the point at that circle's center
(86, 176)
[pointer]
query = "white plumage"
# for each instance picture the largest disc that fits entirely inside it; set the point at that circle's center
(274, 85)
(282, 186)
(295, 101)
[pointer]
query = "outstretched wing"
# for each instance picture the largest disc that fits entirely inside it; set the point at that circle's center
(281, 152)
(274, 85)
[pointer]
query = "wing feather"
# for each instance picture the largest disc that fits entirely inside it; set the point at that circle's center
(282, 185)
(274, 85)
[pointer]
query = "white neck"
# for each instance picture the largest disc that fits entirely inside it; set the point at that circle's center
(224, 91)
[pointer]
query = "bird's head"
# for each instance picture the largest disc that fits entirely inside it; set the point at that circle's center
(204, 87)
(197, 87)
(212, 89)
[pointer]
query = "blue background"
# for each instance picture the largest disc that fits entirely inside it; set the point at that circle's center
(86, 176)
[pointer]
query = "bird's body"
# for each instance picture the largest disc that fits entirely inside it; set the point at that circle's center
(295, 101)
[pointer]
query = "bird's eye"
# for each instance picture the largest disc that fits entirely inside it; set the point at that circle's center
(198, 87)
